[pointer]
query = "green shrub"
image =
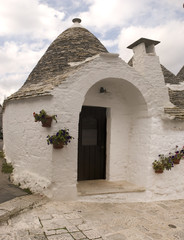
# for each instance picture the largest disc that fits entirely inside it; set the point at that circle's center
(27, 190)
(7, 168)
(2, 154)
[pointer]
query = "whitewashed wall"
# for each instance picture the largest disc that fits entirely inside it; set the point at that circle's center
(25, 143)
(135, 129)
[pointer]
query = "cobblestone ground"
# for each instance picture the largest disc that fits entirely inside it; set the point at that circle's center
(53, 221)
(108, 221)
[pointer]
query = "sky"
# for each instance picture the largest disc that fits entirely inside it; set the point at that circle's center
(27, 28)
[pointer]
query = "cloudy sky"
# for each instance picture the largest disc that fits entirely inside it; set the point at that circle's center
(27, 27)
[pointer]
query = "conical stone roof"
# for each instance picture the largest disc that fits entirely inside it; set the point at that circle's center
(169, 77)
(181, 74)
(74, 45)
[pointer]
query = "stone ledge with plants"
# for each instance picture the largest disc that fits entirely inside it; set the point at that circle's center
(168, 162)
(44, 118)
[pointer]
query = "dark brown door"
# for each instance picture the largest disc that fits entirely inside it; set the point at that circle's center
(92, 143)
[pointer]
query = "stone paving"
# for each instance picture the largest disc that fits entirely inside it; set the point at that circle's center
(103, 221)
(52, 221)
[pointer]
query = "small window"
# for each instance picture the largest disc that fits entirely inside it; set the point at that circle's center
(89, 132)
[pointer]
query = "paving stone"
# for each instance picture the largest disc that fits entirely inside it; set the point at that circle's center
(71, 216)
(22, 233)
(37, 231)
(117, 236)
(59, 231)
(84, 226)
(77, 221)
(91, 234)
(78, 235)
(65, 236)
(71, 228)
(38, 237)
(45, 217)
(50, 232)
(54, 224)
(155, 235)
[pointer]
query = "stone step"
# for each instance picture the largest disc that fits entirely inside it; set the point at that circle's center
(98, 187)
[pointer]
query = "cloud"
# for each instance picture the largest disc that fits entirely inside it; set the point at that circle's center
(104, 14)
(10, 83)
(170, 50)
(16, 57)
(109, 43)
(25, 17)
(17, 61)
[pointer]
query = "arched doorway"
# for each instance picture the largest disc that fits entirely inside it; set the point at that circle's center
(126, 123)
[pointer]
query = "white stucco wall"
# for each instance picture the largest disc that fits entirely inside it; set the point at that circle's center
(25, 143)
(135, 130)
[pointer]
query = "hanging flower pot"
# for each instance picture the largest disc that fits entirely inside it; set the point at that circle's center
(158, 166)
(176, 161)
(176, 158)
(159, 171)
(58, 145)
(61, 138)
(47, 121)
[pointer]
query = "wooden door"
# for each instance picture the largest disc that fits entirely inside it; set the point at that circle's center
(92, 143)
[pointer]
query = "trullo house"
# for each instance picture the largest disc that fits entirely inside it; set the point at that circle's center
(121, 117)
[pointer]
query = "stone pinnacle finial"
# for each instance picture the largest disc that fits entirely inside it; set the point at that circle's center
(76, 20)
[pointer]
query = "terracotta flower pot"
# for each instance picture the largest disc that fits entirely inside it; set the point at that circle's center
(58, 145)
(47, 122)
(159, 171)
(176, 161)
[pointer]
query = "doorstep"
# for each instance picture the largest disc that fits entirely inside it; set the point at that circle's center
(98, 187)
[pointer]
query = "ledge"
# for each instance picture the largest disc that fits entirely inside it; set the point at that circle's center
(16, 205)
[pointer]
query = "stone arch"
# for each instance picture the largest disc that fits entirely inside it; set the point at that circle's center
(127, 127)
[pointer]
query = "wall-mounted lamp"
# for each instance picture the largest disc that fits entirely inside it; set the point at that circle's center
(102, 90)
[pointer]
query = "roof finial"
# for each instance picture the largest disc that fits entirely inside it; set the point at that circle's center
(76, 20)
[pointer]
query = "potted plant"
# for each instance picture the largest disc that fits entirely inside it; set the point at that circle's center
(61, 138)
(168, 163)
(44, 118)
(178, 155)
(158, 166)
